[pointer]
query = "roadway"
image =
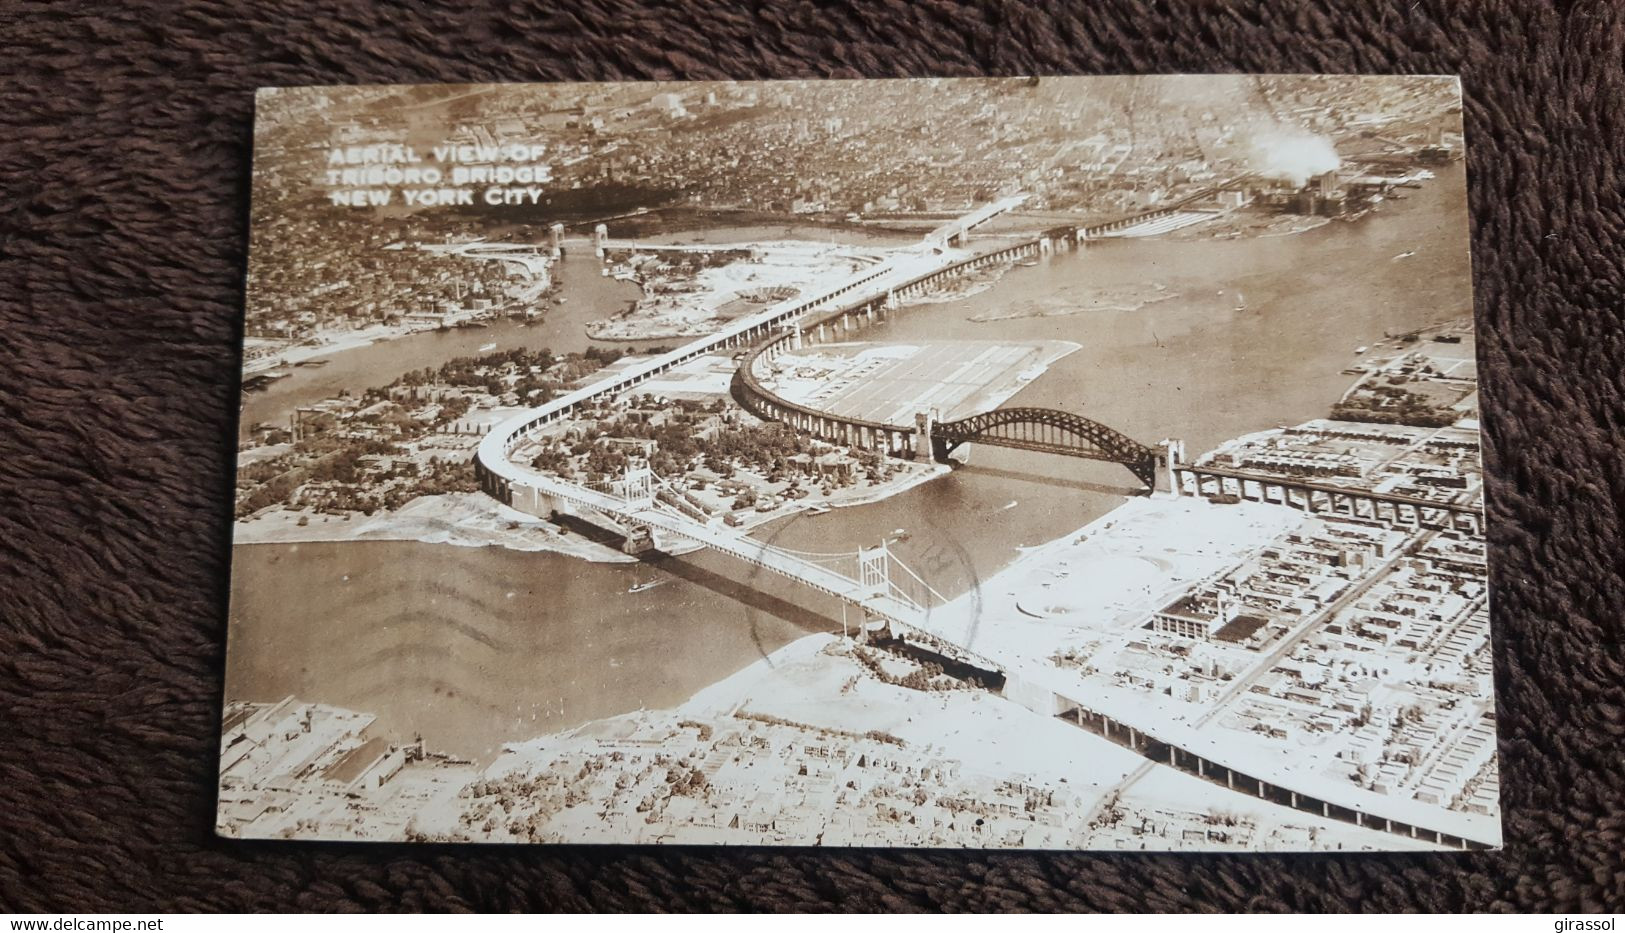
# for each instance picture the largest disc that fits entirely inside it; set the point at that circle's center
(959, 226)
(897, 271)
(1157, 226)
(740, 546)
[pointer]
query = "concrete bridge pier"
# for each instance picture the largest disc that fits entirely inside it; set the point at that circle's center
(924, 421)
(641, 540)
(873, 628)
(1168, 458)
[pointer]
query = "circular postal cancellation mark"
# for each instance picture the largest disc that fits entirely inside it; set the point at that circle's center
(915, 581)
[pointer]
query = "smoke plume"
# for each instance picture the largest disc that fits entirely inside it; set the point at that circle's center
(1293, 154)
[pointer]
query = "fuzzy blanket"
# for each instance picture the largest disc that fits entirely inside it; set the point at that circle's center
(124, 160)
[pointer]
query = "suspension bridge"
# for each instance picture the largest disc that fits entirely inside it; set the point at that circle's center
(640, 505)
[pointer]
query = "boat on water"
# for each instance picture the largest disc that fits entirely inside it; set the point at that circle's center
(1027, 262)
(1361, 349)
(260, 381)
(641, 587)
(1241, 302)
(1406, 255)
(312, 363)
(488, 348)
(1009, 505)
(899, 534)
(817, 509)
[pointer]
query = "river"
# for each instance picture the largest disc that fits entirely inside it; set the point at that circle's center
(588, 295)
(476, 647)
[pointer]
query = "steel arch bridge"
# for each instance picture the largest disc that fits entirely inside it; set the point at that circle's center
(1047, 430)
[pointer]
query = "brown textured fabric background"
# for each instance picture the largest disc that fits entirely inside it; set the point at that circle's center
(124, 160)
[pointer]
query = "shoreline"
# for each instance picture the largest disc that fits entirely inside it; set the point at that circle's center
(694, 311)
(456, 519)
(474, 520)
(385, 332)
(354, 340)
(1128, 306)
(294, 355)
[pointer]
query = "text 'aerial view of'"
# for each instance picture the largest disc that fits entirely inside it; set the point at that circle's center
(1059, 463)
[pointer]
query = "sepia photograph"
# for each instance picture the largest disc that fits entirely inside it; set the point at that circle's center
(1018, 463)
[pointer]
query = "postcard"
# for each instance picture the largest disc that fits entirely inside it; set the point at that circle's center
(1045, 463)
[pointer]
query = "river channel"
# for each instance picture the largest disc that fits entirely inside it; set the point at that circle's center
(476, 647)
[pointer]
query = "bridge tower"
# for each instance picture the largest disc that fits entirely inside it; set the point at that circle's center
(1170, 454)
(795, 338)
(639, 483)
(924, 421)
(556, 232)
(638, 490)
(600, 236)
(874, 573)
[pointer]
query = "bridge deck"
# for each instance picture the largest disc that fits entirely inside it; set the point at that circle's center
(975, 218)
(1311, 486)
(740, 546)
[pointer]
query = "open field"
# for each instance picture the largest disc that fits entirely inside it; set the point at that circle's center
(891, 384)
